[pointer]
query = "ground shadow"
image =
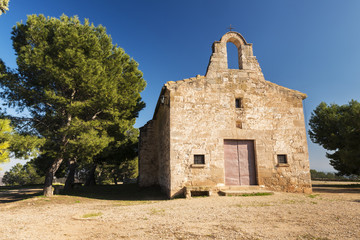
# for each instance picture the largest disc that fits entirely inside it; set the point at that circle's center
(8, 195)
(336, 188)
(118, 192)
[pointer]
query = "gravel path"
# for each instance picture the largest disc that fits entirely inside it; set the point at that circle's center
(322, 215)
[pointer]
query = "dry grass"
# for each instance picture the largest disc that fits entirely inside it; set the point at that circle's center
(126, 212)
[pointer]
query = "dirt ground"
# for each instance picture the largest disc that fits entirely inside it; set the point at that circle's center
(331, 212)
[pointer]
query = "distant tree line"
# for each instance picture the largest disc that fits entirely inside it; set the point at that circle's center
(22, 175)
(329, 176)
(30, 174)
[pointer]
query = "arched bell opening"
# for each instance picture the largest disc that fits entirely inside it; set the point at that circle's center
(232, 56)
(233, 48)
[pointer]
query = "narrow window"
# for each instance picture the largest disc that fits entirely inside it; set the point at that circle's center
(282, 159)
(199, 159)
(238, 103)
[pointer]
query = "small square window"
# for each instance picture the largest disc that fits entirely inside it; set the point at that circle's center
(282, 159)
(238, 103)
(199, 159)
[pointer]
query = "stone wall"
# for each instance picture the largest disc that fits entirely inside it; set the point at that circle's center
(148, 162)
(219, 61)
(162, 125)
(203, 115)
(154, 145)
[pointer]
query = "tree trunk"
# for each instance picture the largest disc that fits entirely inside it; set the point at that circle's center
(71, 176)
(90, 180)
(48, 190)
(115, 180)
(114, 176)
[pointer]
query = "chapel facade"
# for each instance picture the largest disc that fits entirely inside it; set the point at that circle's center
(230, 128)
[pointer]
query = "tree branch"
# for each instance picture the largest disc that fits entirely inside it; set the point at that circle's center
(95, 115)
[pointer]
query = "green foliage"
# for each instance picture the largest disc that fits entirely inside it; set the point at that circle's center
(337, 129)
(22, 175)
(43, 162)
(82, 92)
(129, 169)
(124, 170)
(22, 146)
(4, 6)
(118, 162)
(25, 146)
(5, 135)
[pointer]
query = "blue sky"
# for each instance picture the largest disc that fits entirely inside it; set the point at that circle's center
(310, 46)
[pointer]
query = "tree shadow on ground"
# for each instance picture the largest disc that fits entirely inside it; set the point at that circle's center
(336, 188)
(118, 192)
(14, 194)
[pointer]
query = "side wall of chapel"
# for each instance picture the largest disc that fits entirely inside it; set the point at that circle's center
(154, 148)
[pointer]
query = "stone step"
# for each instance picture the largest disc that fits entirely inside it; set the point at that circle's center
(241, 188)
(225, 190)
(248, 192)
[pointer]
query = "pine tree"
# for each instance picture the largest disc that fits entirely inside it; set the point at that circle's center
(337, 129)
(76, 84)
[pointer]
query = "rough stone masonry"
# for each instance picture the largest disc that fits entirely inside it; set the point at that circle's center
(230, 128)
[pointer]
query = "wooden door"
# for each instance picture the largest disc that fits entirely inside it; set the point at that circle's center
(239, 162)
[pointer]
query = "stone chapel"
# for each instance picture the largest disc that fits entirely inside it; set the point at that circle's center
(229, 129)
